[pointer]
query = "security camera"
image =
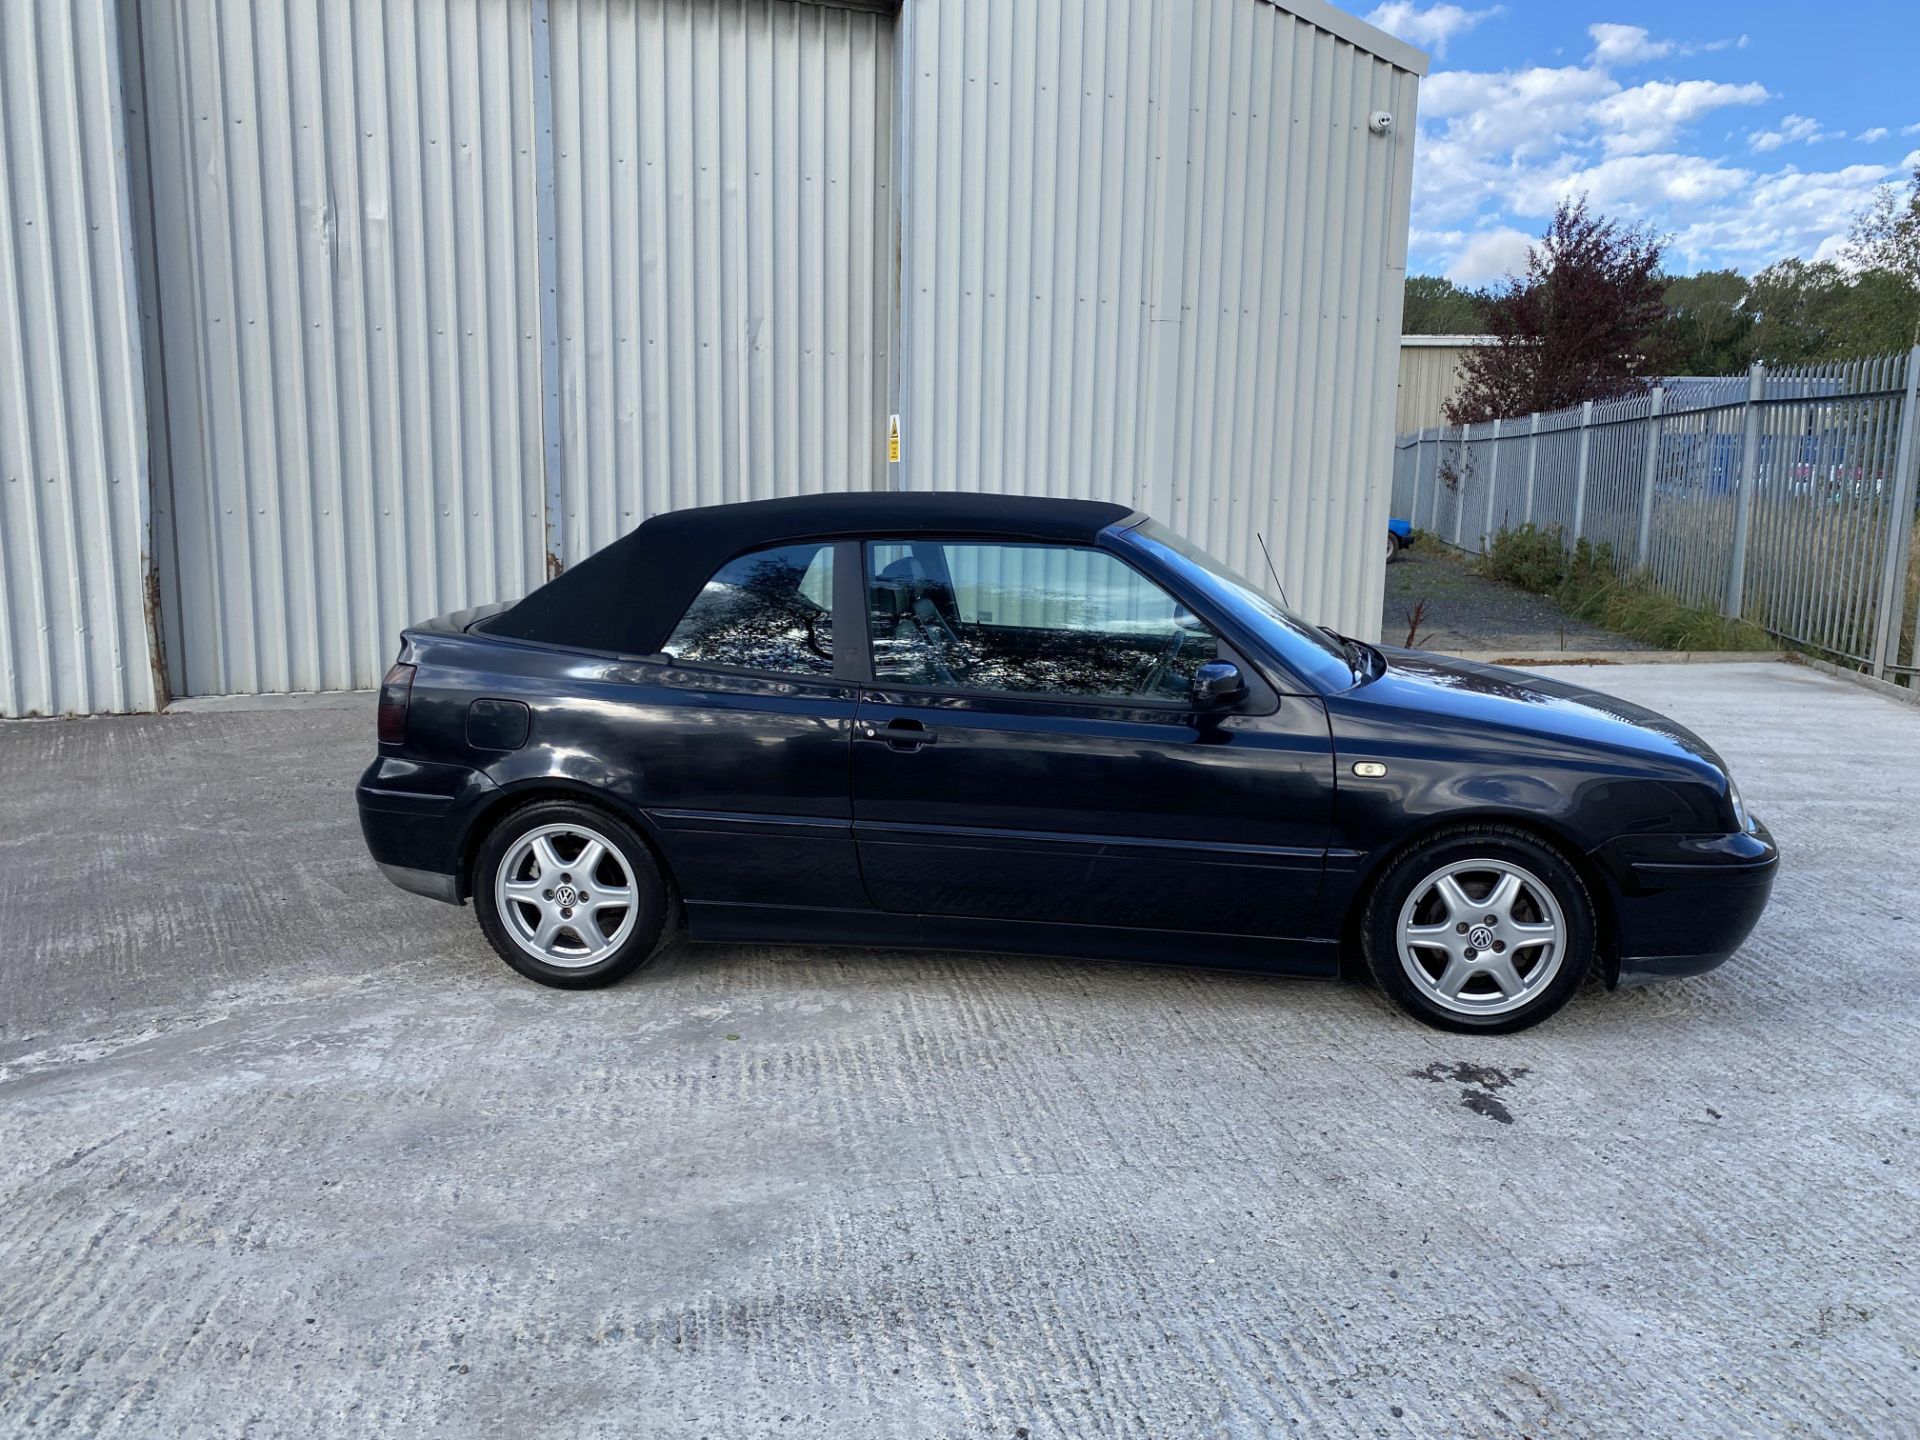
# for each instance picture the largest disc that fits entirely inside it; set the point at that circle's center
(1380, 122)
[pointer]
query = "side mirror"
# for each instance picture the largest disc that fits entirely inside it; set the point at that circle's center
(1217, 685)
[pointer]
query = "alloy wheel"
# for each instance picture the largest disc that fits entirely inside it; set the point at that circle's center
(1481, 937)
(566, 895)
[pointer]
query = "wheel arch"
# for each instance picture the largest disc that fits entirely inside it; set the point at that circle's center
(554, 787)
(1605, 921)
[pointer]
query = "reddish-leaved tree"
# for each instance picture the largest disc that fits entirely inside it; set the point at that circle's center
(1586, 322)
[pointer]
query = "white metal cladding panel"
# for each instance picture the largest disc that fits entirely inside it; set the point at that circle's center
(1026, 266)
(1295, 258)
(1429, 375)
(73, 519)
(1154, 254)
(724, 217)
(347, 276)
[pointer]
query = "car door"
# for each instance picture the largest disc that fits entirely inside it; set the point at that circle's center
(1027, 750)
(740, 737)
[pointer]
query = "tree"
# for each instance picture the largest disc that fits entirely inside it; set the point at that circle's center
(1811, 310)
(1794, 304)
(1586, 322)
(1886, 235)
(1437, 306)
(1885, 245)
(1709, 326)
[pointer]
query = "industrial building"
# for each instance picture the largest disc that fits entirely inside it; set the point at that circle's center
(1430, 377)
(320, 317)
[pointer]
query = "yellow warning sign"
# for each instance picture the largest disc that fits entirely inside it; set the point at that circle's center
(893, 440)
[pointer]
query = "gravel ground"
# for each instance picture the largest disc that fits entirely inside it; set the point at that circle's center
(284, 1151)
(1467, 612)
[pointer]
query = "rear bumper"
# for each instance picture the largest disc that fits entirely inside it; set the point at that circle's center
(424, 882)
(415, 817)
(1684, 903)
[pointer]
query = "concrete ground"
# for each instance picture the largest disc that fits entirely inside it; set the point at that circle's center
(284, 1151)
(1466, 612)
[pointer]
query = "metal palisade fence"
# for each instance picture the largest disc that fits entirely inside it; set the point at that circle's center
(1785, 497)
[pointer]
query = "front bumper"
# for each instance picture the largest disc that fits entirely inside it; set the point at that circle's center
(415, 818)
(1684, 903)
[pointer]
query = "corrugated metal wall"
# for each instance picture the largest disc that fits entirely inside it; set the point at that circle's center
(724, 226)
(1028, 256)
(1155, 254)
(347, 288)
(433, 291)
(73, 435)
(1429, 374)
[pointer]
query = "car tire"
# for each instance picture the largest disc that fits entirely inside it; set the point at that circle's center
(536, 861)
(1483, 929)
(1393, 547)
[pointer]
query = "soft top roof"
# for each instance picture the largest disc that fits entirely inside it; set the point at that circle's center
(627, 597)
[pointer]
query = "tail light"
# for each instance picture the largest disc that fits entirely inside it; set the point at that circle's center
(396, 690)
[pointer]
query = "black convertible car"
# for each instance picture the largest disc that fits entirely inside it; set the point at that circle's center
(1053, 726)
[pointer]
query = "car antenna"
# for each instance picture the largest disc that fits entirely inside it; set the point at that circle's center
(1270, 570)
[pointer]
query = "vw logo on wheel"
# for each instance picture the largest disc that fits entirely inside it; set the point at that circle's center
(1480, 938)
(564, 894)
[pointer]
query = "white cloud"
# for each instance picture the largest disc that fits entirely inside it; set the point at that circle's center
(1430, 27)
(1486, 135)
(1910, 129)
(1480, 131)
(1648, 116)
(1498, 150)
(1626, 45)
(1793, 130)
(1634, 45)
(1790, 212)
(1489, 256)
(1834, 248)
(1716, 214)
(1633, 186)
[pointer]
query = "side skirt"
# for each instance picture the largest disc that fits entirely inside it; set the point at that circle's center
(808, 925)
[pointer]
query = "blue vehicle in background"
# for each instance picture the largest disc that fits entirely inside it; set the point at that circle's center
(1399, 536)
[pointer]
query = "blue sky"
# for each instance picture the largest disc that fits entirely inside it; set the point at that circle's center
(1745, 132)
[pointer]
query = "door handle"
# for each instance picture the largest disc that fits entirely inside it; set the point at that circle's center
(899, 734)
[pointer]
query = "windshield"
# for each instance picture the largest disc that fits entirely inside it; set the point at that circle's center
(1305, 649)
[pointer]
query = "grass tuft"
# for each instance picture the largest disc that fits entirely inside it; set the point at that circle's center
(1583, 580)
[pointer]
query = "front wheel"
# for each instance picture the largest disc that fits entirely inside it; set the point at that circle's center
(569, 895)
(1393, 547)
(1479, 928)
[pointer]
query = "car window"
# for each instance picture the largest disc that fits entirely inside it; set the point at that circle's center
(765, 610)
(1305, 649)
(1028, 620)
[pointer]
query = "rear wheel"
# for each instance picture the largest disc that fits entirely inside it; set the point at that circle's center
(1481, 929)
(569, 895)
(1393, 547)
